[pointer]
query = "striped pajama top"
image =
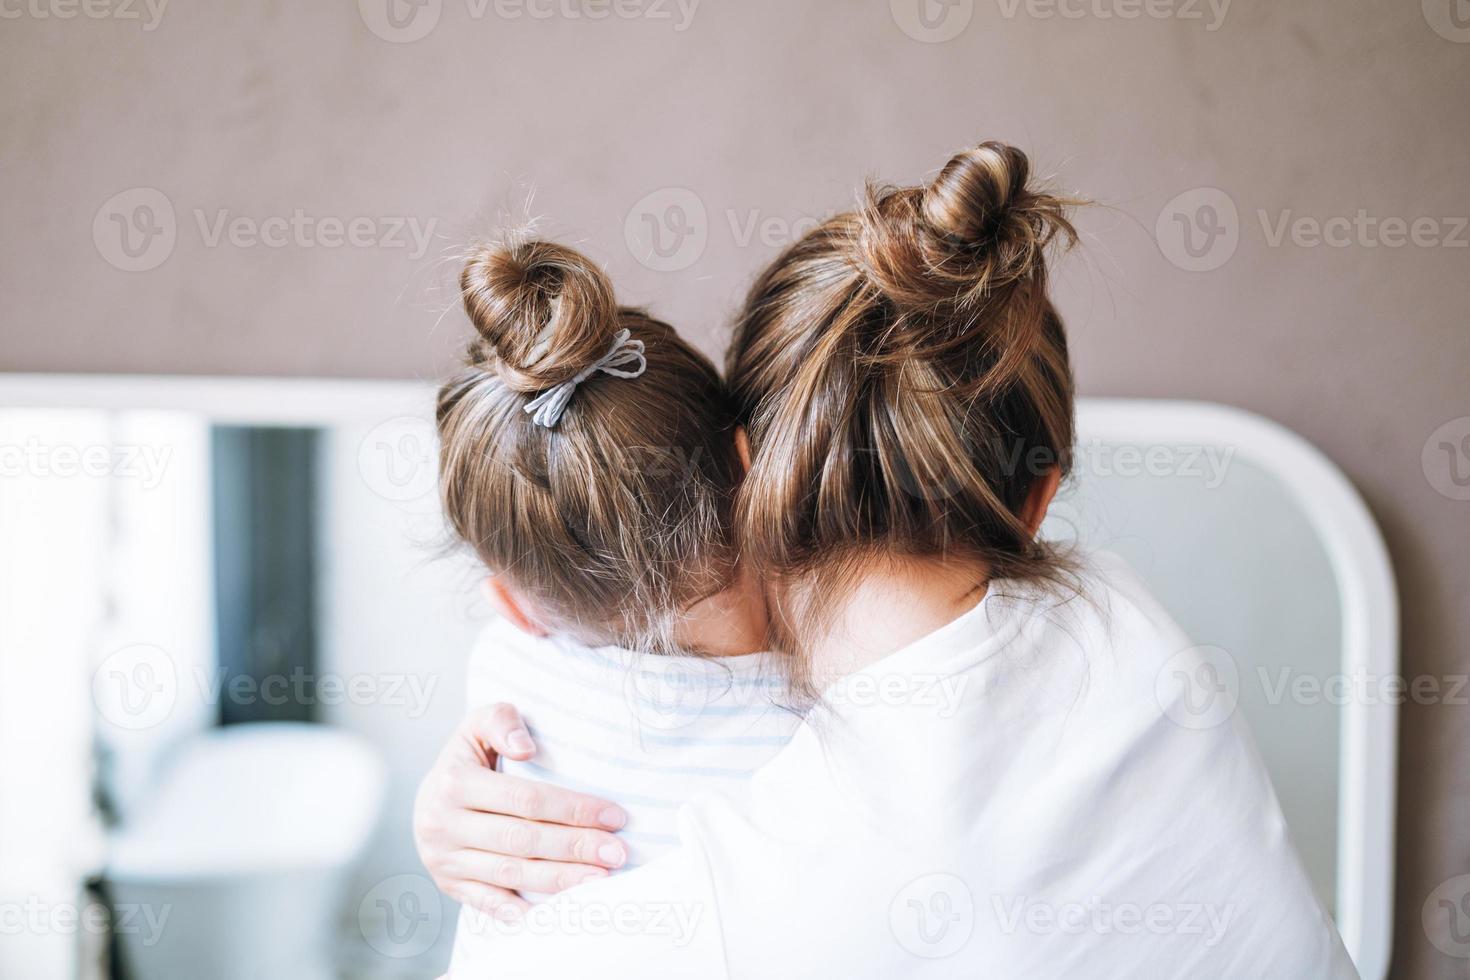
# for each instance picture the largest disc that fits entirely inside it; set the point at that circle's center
(644, 731)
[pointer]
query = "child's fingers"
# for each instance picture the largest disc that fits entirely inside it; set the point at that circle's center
(521, 874)
(477, 788)
(516, 837)
(501, 728)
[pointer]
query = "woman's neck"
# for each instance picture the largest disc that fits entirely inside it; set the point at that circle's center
(887, 604)
(728, 623)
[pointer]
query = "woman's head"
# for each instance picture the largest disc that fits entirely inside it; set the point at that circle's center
(905, 378)
(612, 519)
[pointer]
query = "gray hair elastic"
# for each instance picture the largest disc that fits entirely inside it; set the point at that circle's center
(548, 406)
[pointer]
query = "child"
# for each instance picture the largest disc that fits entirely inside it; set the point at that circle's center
(588, 455)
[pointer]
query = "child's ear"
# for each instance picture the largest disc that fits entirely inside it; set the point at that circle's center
(1039, 498)
(742, 447)
(503, 598)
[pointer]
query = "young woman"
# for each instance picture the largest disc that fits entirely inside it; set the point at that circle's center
(988, 782)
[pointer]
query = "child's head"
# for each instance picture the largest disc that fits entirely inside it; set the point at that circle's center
(905, 378)
(609, 520)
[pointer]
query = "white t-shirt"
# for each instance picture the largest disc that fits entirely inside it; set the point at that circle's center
(1018, 794)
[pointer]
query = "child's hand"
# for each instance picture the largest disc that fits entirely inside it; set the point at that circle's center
(484, 835)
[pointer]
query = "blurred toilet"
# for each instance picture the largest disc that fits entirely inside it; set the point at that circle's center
(237, 866)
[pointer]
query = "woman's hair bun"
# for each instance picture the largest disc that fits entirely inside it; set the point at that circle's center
(969, 199)
(978, 228)
(544, 312)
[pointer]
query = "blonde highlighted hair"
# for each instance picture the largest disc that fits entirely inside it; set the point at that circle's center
(905, 381)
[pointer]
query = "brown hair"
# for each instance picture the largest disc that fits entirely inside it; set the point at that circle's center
(905, 378)
(618, 517)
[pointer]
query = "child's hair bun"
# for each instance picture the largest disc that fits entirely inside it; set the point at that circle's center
(544, 312)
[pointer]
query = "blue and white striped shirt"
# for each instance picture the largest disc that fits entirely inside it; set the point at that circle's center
(644, 731)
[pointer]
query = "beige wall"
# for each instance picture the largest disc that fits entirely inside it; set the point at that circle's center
(773, 110)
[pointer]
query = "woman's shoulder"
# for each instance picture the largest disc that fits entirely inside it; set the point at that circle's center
(1102, 604)
(1099, 640)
